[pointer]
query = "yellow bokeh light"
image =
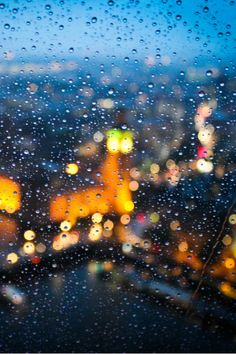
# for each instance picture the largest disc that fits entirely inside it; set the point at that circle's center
(229, 263)
(113, 145)
(183, 246)
(205, 136)
(126, 145)
(204, 166)
(29, 235)
(170, 163)
(10, 209)
(95, 232)
(227, 240)
(12, 258)
(133, 186)
(129, 205)
(72, 168)
(228, 290)
(125, 219)
(10, 196)
(174, 225)
(65, 240)
(108, 225)
(29, 248)
(65, 225)
(57, 245)
(232, 219)
(154, 168)
(154, 217)
(97, 218)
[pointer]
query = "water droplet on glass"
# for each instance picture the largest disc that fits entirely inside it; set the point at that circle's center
(208, 73)
(150, 85)
(201, 94)
(111, 91)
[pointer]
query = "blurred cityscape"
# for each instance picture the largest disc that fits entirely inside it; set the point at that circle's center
(131, 167)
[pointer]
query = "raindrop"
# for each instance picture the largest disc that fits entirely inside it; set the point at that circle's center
(208, 73)
(111, 91)
(150, 85)
(201, 94)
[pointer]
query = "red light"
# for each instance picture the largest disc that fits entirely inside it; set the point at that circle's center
(202, 152)
(35, 260)
(141, 218)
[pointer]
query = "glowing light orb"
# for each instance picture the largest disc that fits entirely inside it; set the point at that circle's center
(125, 219)
(227, 240)
(97, 218)
(232, 219)
(65, 225)
(12, 258)
(154, 168)
(29, 235)
(133, 186)
(204, 166)
(126, 145)
(113, 145)
(108, 225)
(183, 246)
(95, 232)
(229, 263)
(129, 205)
(29, 248)
(72, 168)
(154, 217)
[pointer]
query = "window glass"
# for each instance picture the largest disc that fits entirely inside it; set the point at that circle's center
(117, 176)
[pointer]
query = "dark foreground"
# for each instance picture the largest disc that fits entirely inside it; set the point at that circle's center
(79, 310)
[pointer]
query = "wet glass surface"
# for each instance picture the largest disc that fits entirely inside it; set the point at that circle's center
(78, 311)
(117, 176)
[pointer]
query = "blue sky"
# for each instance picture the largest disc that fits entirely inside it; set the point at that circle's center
(181, 30)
